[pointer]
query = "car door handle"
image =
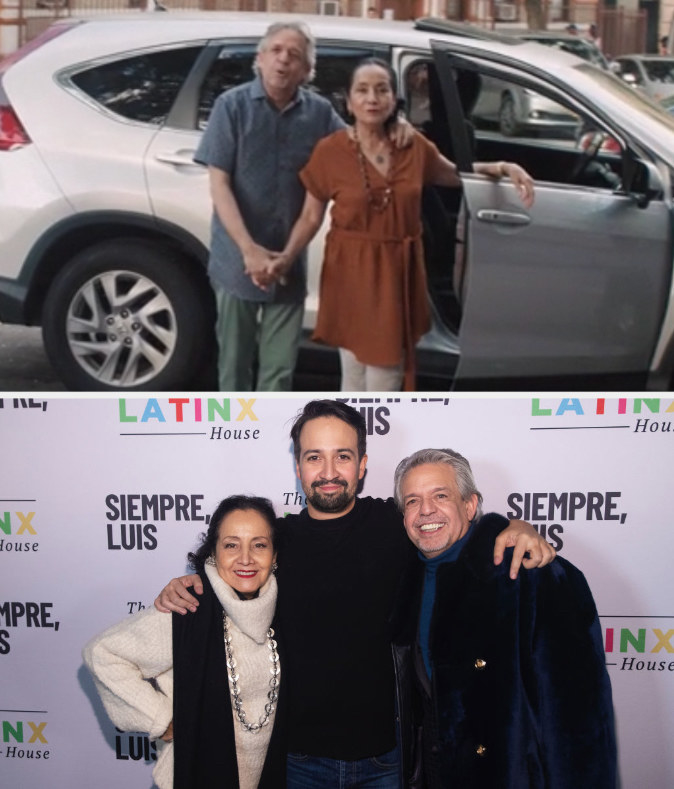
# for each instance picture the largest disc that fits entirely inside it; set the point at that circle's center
(502, 217)
(181, 158)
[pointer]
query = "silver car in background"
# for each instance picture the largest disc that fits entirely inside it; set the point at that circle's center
(517, 110)
(653, 75)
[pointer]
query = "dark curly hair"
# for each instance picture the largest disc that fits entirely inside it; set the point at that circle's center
(209, 538)
(315, 409)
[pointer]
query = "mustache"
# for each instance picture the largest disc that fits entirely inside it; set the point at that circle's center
(320, 482)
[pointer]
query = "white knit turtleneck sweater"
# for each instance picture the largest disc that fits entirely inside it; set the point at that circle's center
(140, 647)
(249, 621)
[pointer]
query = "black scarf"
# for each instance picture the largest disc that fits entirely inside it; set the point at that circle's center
(203, 727)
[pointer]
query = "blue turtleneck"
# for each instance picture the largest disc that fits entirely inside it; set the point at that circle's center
(428, 596)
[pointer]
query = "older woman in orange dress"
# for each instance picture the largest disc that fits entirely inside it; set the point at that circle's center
(373, 299)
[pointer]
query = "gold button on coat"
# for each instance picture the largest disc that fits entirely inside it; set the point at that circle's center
(480, 664)
(480, 750)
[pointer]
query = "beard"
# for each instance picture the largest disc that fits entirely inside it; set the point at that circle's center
(330, 503)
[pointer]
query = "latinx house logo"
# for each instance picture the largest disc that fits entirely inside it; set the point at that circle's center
(24, 740)
(640, 649)
(17, 525)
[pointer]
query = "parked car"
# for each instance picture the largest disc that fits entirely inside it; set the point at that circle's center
(105, 216)
(517, 110)
(653, 75)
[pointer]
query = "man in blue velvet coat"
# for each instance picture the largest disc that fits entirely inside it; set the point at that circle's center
(511, 686)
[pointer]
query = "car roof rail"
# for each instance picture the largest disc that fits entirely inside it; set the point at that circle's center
(431, 24)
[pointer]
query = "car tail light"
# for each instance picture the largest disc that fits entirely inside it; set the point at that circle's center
(12, 133)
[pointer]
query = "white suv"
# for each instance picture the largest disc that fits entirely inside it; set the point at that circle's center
(105, 217)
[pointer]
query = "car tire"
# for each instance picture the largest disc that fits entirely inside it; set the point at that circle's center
(127, 314)
(507, 117)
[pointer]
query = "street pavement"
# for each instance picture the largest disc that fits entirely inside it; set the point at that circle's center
(24, 366)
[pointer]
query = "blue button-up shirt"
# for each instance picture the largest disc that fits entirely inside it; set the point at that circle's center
(263, 150)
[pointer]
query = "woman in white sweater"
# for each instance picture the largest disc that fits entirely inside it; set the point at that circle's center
(227, 650)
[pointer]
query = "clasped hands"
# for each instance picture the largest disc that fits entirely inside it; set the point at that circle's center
(265, 267)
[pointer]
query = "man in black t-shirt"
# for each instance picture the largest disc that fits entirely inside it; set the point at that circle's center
(340, 561)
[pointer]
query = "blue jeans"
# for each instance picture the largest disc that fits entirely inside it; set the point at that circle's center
(315, 772)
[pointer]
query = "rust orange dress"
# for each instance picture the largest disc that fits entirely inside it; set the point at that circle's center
(373, 298)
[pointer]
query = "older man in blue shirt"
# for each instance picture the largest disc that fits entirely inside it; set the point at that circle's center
(259, 137)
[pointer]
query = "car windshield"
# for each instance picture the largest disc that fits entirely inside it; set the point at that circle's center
(659, 70)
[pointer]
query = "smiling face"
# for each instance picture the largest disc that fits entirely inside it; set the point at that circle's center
(244, 552)
(371, 97)
(329, 468)
(283, 64)
(435, 514)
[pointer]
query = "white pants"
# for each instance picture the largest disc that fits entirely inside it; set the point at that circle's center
(358, 377)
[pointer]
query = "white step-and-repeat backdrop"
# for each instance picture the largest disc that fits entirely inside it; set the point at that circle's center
(101, 499)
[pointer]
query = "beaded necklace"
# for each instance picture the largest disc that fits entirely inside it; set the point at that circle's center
(233, 678)
(377, 202)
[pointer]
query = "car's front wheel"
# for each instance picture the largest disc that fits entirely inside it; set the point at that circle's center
(126, 314)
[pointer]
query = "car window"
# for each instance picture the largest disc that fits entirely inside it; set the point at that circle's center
(517, 111)
(234, 65)
(659, 70)
(549, 137)
(510, 119)
(417, 98)
(334, 65)
(629, 69)
(139, 88)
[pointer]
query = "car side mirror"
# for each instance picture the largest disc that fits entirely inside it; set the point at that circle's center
(643, 182)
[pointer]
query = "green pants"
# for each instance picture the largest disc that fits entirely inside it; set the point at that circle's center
(245, 328)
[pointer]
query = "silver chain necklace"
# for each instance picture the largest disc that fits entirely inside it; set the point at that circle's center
(233, 678)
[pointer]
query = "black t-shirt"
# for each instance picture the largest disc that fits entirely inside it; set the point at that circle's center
(337, 585)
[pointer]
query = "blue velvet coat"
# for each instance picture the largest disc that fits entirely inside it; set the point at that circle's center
(520, 697)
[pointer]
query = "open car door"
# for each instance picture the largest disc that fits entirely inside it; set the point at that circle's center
(574, 286)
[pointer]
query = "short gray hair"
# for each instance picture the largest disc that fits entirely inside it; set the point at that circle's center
(462, 471)
(298, 27)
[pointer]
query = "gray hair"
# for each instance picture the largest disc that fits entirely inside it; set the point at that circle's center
(298, 27)
(462, 471)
